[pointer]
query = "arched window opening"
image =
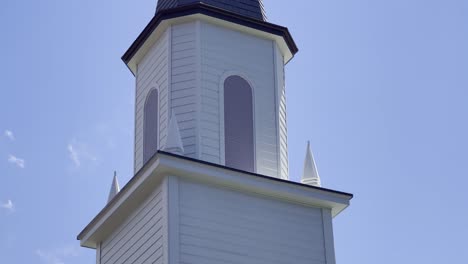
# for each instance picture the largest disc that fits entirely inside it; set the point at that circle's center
(238, 124)
(150, 127)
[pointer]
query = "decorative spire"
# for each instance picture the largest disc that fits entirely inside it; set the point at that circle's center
(174, 141)
(115, 188)
(310, 175)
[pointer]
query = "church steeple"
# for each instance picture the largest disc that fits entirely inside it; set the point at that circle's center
(249, 8)
(216, 67)
(211, 148)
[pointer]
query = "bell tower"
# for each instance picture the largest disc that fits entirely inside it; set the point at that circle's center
(211, 160)
(218, 66)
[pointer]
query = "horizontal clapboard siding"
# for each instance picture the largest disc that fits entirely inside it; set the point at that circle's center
(152, 73)
(223, 51)
(183, 85)
(225, 226)
(139, 240)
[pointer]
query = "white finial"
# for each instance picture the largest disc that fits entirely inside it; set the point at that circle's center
(115, 188)
(310, 175)
(174, 141)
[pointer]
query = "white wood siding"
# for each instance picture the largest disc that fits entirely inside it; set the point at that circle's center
(188, 64)
(225, 226)
(282, 120)
(225, 51)
(184, 99)
(152, 73)
(140, 239)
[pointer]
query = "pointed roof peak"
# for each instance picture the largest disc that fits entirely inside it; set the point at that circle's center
(174, 141)
(115, 188)
(310, 175)
(249, 8)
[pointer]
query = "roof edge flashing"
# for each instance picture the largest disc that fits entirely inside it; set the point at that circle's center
(159, 21)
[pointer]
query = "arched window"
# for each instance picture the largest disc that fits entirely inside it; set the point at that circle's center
(150, 126)
(238, 124)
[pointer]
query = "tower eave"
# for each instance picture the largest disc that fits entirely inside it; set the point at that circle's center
(165, 164)
(206, 12)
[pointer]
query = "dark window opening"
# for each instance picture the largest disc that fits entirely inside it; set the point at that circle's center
(150, 127)
(238, 124)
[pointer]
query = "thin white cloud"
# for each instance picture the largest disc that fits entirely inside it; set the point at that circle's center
(58, 255)
(9, 134)
(74, 155)
(78, 152)
(9, 206)
(20, 163)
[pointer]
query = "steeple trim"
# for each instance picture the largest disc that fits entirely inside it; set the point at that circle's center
(310, 175)
(115, 188)
(201, 8)
(174, 141)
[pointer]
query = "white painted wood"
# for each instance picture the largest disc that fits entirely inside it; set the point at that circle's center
(140, 238)
(226, 52)
(310, 175)
(135, 169)
(98, 254)
(328, 235)
(169, 72)
(155, 35)
(226, 226)
(152, 73)
(173, 219)
(188, 64)
(165, 200)
(135, 194)
(184, 88)
(282, 124)
(191, 220)
(199, 86)
(170, 67)
(180, 211)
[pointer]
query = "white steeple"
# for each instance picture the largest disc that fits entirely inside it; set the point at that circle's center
(174, 141)
(235, 114)
(218, 136)
(310, 175)
(115, 188)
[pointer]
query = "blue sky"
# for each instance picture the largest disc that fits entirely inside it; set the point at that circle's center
(379, 87)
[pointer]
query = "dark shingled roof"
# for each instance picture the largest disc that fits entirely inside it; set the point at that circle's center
(250, 8)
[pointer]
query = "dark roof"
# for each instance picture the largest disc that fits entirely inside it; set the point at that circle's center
(201, 8)
(160, 152)
(249, 8)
